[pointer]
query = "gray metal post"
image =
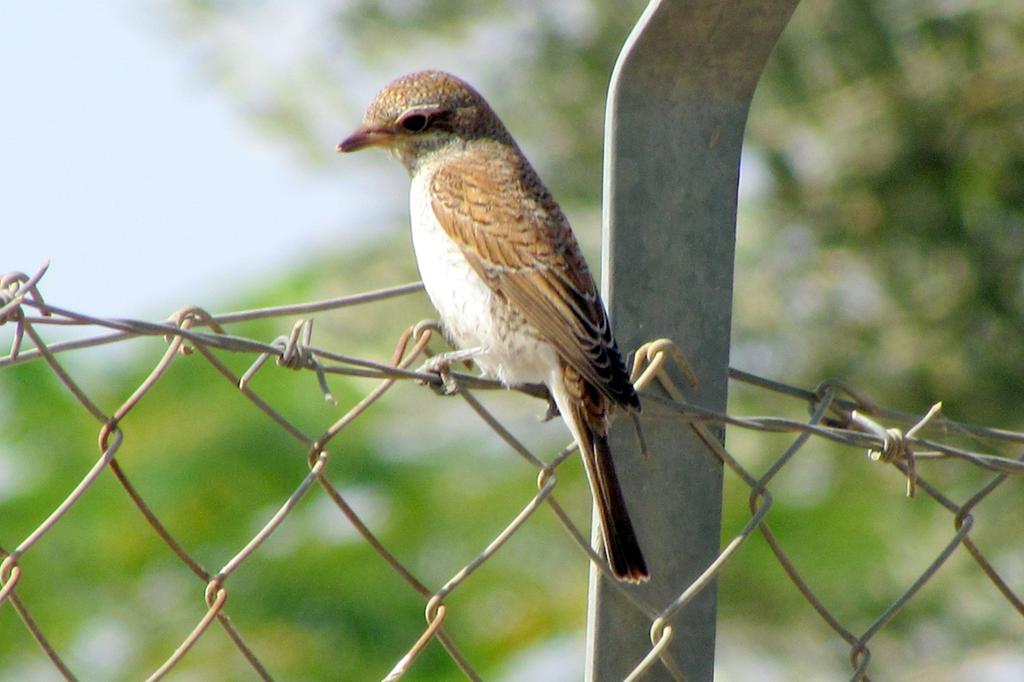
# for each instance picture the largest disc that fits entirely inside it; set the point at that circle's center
(677, 108)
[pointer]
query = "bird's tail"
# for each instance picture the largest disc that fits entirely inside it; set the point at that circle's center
(624, 555)
(586, 418)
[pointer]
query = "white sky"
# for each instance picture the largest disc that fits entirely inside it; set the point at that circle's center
(135, 176)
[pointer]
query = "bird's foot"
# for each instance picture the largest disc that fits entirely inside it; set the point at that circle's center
(440, 365)
(538, 391)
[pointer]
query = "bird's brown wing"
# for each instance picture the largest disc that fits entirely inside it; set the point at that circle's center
(518, 240)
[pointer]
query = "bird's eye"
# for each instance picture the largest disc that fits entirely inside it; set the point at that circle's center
(414, 123)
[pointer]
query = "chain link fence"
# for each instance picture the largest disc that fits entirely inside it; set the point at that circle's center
(910, 443)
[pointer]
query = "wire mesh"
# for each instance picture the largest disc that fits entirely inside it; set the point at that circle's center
(838, 414)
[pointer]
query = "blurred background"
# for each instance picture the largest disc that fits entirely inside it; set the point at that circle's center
(179, 152)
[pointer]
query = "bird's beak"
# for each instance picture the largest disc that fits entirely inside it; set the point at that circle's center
(365, 137)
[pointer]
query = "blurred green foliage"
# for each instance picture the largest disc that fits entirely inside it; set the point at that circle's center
(894, 136)
(881, 240)
(315, 602)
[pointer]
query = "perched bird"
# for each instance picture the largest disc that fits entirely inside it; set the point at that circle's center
(501, 265)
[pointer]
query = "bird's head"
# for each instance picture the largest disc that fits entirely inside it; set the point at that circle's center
(422, 113)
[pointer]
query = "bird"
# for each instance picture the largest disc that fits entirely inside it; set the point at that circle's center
(501, 265)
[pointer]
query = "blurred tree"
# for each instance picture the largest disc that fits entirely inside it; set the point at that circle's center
(893, 133)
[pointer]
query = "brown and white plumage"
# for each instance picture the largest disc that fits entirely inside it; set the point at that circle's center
(500, 263)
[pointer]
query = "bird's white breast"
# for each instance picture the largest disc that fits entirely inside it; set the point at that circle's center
(466, 305)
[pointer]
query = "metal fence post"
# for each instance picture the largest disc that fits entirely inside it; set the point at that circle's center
(677, 109)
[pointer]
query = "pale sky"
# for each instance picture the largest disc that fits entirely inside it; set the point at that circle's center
(139, 179)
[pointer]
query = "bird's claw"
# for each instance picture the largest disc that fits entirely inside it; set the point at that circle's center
(441, 366)
(551, 412)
